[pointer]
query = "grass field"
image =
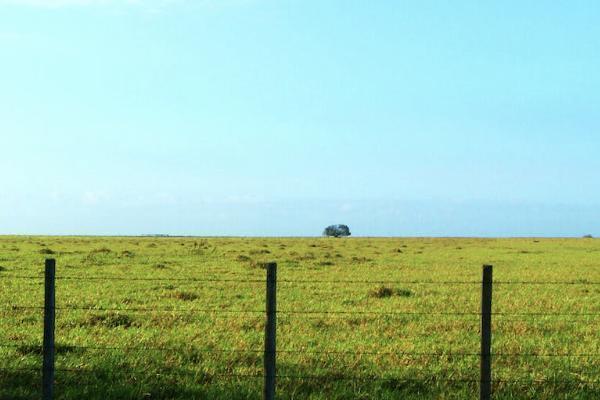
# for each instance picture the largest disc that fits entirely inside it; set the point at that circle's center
(149, 352)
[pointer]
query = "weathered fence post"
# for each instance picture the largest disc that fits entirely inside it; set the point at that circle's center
(49, 318)
(270, 332)
(485, 385)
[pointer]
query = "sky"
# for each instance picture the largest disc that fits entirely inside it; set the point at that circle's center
(280, 117)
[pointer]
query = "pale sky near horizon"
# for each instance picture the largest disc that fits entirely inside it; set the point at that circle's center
(279, 117)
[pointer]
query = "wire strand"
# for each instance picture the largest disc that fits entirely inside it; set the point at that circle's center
(305, 312)
(304, 351)
(304, 281)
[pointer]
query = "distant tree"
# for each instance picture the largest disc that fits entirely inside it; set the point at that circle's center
(337, 231)
(588, 237)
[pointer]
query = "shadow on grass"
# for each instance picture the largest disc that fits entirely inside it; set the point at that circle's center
(113, 384)
(105, 384)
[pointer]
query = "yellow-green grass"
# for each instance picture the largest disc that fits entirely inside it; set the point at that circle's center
(400, 340)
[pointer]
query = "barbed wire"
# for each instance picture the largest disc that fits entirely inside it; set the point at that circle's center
(39, 370)
(430, 282)
(304, 281)
(305, 312)
(115, 278)
(305, 351)
(313, 314)
(344, 378)
(434, 379)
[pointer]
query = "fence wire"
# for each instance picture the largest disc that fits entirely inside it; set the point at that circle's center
(253, 279)
(312, 314)
(400, 353)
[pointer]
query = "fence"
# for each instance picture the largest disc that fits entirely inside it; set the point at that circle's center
(270, 351)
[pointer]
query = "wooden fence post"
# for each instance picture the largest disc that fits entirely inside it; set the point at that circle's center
(49, 319)
(270, 332)
(485, 385)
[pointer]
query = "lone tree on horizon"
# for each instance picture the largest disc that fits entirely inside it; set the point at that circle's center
(337, 231)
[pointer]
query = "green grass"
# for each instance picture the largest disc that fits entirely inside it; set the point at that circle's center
(125, 356)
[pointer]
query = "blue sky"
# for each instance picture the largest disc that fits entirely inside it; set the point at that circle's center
(279, 117)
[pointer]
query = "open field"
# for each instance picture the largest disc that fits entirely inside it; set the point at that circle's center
(351, 345)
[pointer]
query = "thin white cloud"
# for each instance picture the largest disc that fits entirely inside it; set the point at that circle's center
(56, 3)
(75, 3)
(346, 207)
(92, 198)
(155, 4)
